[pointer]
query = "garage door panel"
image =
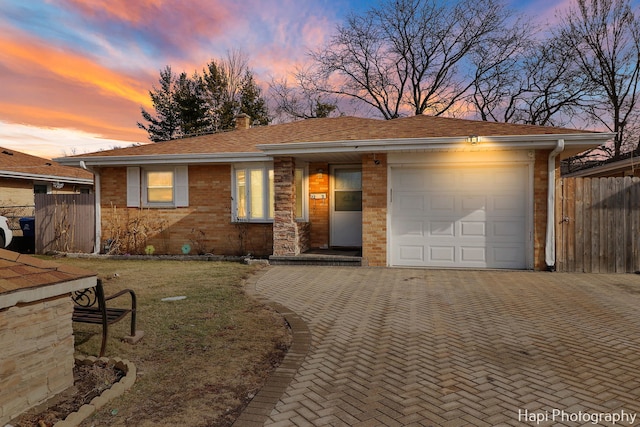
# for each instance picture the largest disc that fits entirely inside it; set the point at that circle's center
(441, 228)
(451, 218)
(473, 254)
(412, 179)
(507, 179)
(501, 230)
(473, 203)
(472, 182)
(411, 203)
(441, 204)
(411, 228)
(511, 204)
(505, 256)
(439, 178)
(473, 228)
(412, 253)
(443, 254)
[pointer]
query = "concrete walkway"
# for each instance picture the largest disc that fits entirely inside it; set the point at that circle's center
(401, 347)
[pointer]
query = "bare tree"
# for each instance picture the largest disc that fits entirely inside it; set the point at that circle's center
(537, 82)
(605, 36)
(303, 100)
(409, 56)
(229, 89)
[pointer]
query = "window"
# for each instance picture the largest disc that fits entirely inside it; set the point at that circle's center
(254, 193)
(40, 189)
(301, 195)
(158, 187)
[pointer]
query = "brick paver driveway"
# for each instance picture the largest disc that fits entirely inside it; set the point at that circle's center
(453, 348)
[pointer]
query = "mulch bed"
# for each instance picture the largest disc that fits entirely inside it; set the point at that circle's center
(89, 381)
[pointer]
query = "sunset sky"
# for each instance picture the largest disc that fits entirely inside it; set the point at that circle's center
(74, 73)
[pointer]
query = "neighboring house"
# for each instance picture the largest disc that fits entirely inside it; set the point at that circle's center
(23, 175)
(418, 191)
(629, 166)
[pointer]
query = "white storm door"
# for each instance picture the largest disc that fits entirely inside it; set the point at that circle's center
(346, 206)
(470, 216)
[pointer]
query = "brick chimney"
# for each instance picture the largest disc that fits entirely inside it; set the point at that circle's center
(243, 121)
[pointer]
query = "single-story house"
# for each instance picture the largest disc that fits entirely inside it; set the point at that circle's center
(23, 175)
(627, 166)
(418, 191)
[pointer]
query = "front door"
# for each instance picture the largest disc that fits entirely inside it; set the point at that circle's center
(346, 206)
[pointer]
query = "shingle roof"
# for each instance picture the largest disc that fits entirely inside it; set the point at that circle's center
(19, 271)
(20, 164)
(332, 130)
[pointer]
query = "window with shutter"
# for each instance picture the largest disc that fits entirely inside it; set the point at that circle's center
(158, 187)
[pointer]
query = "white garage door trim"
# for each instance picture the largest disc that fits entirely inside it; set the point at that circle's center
(462, 215)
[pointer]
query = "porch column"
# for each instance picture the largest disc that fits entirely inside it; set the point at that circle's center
(285, 229)
(374, 209)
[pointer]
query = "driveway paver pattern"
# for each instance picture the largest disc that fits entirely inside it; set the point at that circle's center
(405, 347)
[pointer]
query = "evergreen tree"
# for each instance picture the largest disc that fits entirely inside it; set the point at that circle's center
(194, 105)
(218, 97)
(189, 96)
(251, 101)
(165, 125)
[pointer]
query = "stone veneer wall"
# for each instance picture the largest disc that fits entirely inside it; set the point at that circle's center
(286, 240)
(304, 236)
(36, 355)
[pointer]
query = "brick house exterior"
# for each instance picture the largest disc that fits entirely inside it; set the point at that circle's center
(22, 175)
(283, 189)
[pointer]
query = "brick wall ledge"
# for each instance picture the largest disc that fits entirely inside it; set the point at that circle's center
(75, 418)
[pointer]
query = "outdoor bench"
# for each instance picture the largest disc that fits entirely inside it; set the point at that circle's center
(90, 306)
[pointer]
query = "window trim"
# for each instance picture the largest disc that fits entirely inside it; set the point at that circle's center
(265, 168)
(305, 193)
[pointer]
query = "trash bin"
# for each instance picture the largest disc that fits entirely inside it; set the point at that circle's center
(27, 225)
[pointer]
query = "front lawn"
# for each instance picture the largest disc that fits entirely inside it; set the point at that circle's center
(201, 358)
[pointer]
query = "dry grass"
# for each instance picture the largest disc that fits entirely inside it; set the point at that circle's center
(201, 358)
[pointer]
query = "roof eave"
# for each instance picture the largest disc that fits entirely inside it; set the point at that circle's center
(544, 141)
(47, 178)
(617, 166)
(93, 161)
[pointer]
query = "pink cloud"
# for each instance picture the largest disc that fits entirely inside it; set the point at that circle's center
(96, 77)
(174, 27)
(50, 87)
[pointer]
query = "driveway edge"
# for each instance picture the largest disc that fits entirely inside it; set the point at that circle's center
(257, 411)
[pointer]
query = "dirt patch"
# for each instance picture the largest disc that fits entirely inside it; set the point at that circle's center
(89, 381)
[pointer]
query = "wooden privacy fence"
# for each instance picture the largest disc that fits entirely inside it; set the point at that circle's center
(598, 225)
(64, 222)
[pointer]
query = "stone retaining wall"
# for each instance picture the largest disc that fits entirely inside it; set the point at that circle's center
(36, 355)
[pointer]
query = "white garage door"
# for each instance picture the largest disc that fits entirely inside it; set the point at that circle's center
(459, 216)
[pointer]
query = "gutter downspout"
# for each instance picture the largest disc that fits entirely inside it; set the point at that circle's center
(97, 213)
(550, 244)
